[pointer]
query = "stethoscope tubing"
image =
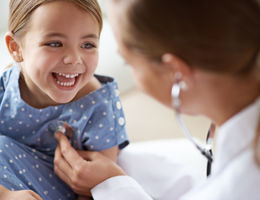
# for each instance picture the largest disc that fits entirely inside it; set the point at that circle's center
(206, 150)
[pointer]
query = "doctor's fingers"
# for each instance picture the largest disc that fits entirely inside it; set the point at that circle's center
(71, 171)
(61, 166)
(75, 182)
(66, 150)
(74, 174)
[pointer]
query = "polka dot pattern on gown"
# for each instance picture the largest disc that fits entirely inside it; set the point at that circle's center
(26, 134)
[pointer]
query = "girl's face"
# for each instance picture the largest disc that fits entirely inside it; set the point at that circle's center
(60, 53)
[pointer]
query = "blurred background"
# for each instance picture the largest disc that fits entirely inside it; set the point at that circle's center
(146, 119)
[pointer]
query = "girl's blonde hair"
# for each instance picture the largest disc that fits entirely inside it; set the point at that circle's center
(220, 36)
(21, 10)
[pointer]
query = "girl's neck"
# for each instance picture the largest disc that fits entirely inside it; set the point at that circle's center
(28, 97)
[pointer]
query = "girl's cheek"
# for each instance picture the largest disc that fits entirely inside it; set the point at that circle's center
(93, 62)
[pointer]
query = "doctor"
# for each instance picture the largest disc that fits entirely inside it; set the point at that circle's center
(210, 52)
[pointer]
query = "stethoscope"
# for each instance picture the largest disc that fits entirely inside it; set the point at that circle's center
(206, 150)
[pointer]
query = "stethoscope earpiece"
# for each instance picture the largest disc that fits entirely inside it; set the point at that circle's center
(176, 90)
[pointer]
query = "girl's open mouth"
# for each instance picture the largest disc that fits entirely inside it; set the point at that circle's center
(66, 80)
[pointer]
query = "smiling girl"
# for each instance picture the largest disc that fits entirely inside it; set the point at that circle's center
(54, 44)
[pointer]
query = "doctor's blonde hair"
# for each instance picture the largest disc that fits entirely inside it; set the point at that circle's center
(20, 12)
(218, 36)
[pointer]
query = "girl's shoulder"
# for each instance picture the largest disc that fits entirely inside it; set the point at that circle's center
(99, 86)
(93, 85)
(107, 87)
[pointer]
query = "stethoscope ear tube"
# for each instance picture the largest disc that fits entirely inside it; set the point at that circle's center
(176, 102)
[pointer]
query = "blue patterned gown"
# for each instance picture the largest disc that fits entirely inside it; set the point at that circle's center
(27, 144)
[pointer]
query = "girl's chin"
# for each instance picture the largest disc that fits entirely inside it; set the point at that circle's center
(59, 98)
(64, 95)
(63, 100)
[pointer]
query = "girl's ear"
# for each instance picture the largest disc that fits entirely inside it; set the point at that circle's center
(13, 47)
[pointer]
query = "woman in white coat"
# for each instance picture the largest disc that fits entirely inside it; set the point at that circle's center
(200, 58)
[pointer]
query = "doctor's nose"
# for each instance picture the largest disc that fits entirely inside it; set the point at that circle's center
(72, 57)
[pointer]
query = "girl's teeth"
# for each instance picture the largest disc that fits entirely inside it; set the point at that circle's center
(66, 80)
(68, 75)
(66, 83)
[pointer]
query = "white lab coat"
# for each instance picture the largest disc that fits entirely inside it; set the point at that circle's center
(235, 174)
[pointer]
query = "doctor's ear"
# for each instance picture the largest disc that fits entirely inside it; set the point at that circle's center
(178, 67)
(177, 64)
(13, 47)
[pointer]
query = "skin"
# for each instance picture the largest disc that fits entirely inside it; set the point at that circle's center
(55, 42)
(22, 194)
(217, 96)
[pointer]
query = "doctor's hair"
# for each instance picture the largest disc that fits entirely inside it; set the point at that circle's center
(20, 12)
(221, 36)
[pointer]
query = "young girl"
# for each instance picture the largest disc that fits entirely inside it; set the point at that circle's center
(55, 47)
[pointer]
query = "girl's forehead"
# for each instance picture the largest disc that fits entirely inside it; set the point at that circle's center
(62, 15)
(59, 9)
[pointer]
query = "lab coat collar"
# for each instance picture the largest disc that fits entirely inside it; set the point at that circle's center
(236, 135)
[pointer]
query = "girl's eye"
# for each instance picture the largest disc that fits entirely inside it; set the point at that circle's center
(54, 44)
(88, 46)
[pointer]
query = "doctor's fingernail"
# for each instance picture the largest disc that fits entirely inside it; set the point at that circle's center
(61, 129)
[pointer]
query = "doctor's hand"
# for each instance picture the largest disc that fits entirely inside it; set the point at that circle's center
(82, 170)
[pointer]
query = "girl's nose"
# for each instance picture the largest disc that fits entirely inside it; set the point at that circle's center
(72, 57)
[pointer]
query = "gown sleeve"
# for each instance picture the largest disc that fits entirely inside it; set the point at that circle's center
(105, 125)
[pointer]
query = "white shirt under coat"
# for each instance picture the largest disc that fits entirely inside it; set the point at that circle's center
(235, 174)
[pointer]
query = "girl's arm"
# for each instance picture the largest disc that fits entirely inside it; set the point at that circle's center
(6, 194)
(111, 153)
